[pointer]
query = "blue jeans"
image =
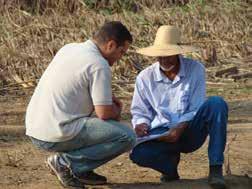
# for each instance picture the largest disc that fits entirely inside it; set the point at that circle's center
(97, 143)
(211, 119)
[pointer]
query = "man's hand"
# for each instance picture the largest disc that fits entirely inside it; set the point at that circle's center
(141, 129)
(174, 133)
(117, 102)
(113, 111)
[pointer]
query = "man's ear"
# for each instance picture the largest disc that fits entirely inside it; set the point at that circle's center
(111, 45)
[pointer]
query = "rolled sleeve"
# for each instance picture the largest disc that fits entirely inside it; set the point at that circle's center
(141, 120)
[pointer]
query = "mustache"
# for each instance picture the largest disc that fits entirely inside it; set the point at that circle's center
(167, 69)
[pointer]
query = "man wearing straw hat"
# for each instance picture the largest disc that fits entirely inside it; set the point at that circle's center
(76, 83)
(170, 95)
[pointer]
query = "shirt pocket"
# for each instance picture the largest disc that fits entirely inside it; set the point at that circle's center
(183, 101)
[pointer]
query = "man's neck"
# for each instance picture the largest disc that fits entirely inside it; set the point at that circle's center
(98, 46)
(101, 50)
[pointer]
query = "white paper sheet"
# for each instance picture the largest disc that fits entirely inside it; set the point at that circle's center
(150, 137)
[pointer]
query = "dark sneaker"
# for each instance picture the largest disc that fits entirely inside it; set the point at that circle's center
(168, 178)
(63, 173)
(215, 178)
(92, 178)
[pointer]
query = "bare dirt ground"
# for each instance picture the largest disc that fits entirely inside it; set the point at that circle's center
(22, 166)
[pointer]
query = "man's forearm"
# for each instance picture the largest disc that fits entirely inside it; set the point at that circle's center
(117, 111)
(106, 112)
(174, 133)
(183, 125)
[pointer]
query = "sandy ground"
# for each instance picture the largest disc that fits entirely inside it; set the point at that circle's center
(22, 165)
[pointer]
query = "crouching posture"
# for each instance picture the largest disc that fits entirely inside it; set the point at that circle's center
(170, 96)
(58, 119)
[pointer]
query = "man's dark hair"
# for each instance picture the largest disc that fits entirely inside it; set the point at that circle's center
(114, 30)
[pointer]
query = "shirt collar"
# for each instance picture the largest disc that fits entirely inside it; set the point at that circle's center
(95, 48)
(93, 45)
(182, 67)
(159, 76)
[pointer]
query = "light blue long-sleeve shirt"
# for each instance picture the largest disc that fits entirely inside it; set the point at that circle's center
(158, 101)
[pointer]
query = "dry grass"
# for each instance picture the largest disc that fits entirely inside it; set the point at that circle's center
(31, 34)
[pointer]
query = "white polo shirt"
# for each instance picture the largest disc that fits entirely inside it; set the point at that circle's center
(77, 79)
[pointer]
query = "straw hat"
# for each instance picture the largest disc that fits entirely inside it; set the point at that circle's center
(167, 43)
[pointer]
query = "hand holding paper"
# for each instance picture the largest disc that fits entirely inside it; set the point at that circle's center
(142, 129)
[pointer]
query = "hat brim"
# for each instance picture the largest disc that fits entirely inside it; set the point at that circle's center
(166, 50)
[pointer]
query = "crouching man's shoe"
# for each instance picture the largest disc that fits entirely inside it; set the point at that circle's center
(92, 178)
(63, 173)
(174, 174)
(215, 178)
(168, 178)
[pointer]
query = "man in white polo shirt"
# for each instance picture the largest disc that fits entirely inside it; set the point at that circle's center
(77, 83)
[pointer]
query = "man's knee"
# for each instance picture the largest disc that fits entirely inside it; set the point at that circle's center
(136, 157)
(217, 102)
(128, 138)
(131, 138)
(141, 156)
(126, 133)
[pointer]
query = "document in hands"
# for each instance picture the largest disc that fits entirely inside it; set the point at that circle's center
(150, 137)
